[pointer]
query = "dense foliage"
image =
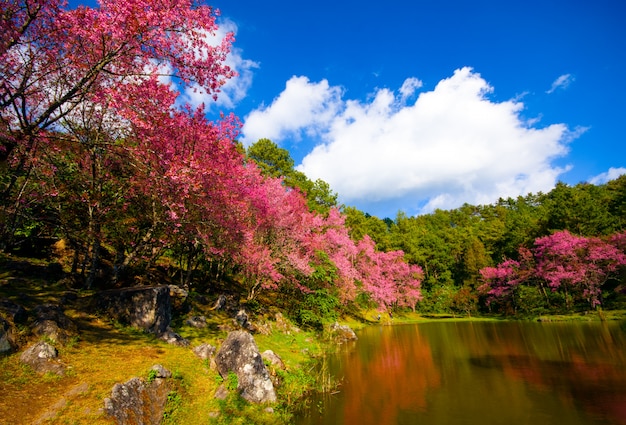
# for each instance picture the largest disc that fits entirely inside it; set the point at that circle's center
(98, 151)
(554, 252)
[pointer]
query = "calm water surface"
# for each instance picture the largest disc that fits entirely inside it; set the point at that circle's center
(479, 373)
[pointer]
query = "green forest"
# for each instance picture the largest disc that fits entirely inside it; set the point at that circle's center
(454, 246)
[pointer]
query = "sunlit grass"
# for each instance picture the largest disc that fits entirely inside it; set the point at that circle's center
(106, 353)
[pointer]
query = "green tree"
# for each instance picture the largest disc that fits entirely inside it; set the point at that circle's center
(272, 160)
(616, 190)
(521, 219)
(277, 162)
(583, 209)
(361, 224)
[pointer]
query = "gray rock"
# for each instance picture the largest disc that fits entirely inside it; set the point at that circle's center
(147, 308)
(274, 359)
(161, 372)
(177, 291)
(43, 357)
(221, 393)
(204, 351)
(343, 332)
(178, 298)
(51, 322)
(173, 338)
(240, 354)
(242, 319)
(137, 402)
(220, 303)
(6, 339)
(196, 322)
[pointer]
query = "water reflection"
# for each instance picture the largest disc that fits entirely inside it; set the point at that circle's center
(481, 373)
(394, 360)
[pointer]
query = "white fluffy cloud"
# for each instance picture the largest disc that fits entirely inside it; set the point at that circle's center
(302, 106)
(451, 145)
(612, 174)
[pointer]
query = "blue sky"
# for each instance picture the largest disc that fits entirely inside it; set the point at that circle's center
(413, 106)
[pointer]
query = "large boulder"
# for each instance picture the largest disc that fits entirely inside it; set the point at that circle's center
(144, 307)
(139, 402)
(239, 354)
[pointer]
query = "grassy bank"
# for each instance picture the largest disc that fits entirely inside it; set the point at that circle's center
(105, 353)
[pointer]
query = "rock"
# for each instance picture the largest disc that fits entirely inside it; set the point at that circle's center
(178, 292)
(220, 303)
(275, 363)
(240, 354)
(144, 307)
(274, 359)
(138, 402)
(43, 357)
(196, 322)
(161, 372)
(227, 303)
(221, 393)
(10, 315)
(204, 351)
(242, 319)
(173, 338)
(343, 332)
(51, 322)
(7, 342)
(13, 312)
(178, 298)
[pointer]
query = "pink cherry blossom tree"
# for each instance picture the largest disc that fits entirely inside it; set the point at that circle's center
(575, 265)
(55, 62)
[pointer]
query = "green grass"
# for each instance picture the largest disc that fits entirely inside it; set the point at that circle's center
(106, 353)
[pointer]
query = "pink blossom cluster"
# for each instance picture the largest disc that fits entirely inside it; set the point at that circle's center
(577, 265)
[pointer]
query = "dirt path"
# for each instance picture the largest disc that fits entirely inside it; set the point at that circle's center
(55, 408)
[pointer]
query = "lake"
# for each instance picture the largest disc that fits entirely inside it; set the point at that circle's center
(478, 373)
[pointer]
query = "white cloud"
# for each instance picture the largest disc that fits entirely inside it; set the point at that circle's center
(302, 106)
(409, 87)
(451, 145)
(561, 83)
(612, 174)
